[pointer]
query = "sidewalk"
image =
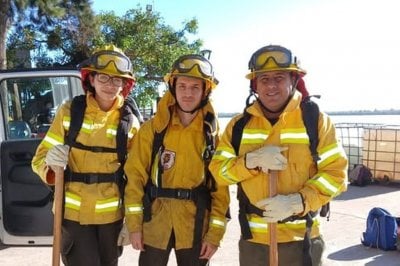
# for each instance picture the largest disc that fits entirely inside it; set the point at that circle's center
(341, 233)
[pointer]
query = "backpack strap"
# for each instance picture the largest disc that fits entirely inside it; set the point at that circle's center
(209, 128)
(237, 131)
(310, 115)
(125, 123)
(78, 107)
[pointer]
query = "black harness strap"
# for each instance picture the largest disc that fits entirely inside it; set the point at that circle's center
(78, 106)
(237, 131)
(310, 115)
(91, 178)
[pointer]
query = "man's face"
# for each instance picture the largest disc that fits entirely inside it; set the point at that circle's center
(274, 88)
(189, 92)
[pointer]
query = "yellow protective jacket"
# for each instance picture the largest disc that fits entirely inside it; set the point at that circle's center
(317, 185)
(98, 203)
(183, 168)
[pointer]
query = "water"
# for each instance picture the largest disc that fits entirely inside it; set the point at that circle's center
(373, 119)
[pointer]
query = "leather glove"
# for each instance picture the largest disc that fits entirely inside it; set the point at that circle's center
(267, 157)
(123, 237)
(281, 207)
(57, 155)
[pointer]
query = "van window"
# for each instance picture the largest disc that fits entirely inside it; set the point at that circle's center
(29, 104)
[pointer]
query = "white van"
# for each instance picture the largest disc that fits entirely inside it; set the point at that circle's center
(29, 99)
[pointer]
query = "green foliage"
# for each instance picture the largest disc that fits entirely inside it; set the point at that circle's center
(58, 31)
(64, 32)
(151, 45)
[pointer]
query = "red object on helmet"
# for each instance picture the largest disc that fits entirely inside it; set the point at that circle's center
(301, 87)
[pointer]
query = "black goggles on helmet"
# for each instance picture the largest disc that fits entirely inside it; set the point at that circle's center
(280, 55)
(187, 62)
(102, 59)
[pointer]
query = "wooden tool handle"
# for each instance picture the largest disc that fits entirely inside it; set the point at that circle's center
(58, 212)
(273, 241)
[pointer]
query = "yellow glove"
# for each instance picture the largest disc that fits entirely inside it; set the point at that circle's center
(281, 207)
(57, 155)
(123, 237)
(267, 157)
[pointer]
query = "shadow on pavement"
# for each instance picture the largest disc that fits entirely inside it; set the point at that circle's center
(375, 257)
(354, 192)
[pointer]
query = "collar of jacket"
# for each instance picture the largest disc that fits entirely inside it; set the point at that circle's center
(92, 103)
(294, 103)
(166, 106)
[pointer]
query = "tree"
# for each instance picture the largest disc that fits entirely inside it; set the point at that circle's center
(66, 35)
(151, 45)
(65, 31)
(39, 11)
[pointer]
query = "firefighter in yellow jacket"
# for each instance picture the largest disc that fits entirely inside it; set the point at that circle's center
(93, 210)
(274, 137)
(171, 199)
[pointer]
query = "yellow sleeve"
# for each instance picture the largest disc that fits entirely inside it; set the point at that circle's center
(54, 136)
(136, 169)
(331, 177)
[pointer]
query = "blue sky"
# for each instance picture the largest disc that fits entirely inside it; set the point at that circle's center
(348, 47)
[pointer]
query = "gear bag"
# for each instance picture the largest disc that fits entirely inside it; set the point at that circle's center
(360, 175)
(381, 230)
(78, 107)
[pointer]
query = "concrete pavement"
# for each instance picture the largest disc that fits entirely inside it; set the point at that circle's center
(341, 233)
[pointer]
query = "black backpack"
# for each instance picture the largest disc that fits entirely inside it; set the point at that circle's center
(78, 107)
(360, 175)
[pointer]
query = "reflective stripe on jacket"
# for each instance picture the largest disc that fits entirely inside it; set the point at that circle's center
(97, 203)
(301, 175)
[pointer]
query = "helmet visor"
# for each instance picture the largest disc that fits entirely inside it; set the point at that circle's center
(186, 64)
(102, 59)
(281, 56)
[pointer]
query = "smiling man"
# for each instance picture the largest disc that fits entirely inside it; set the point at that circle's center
(271, 135)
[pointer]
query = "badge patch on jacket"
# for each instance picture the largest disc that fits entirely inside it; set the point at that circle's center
(167, 159)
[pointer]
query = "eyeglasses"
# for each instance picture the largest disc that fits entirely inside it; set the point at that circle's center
(280, 55)
(116, 81)
(187, 62)
(102, 59)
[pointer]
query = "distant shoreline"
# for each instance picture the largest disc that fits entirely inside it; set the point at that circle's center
(357, 112)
